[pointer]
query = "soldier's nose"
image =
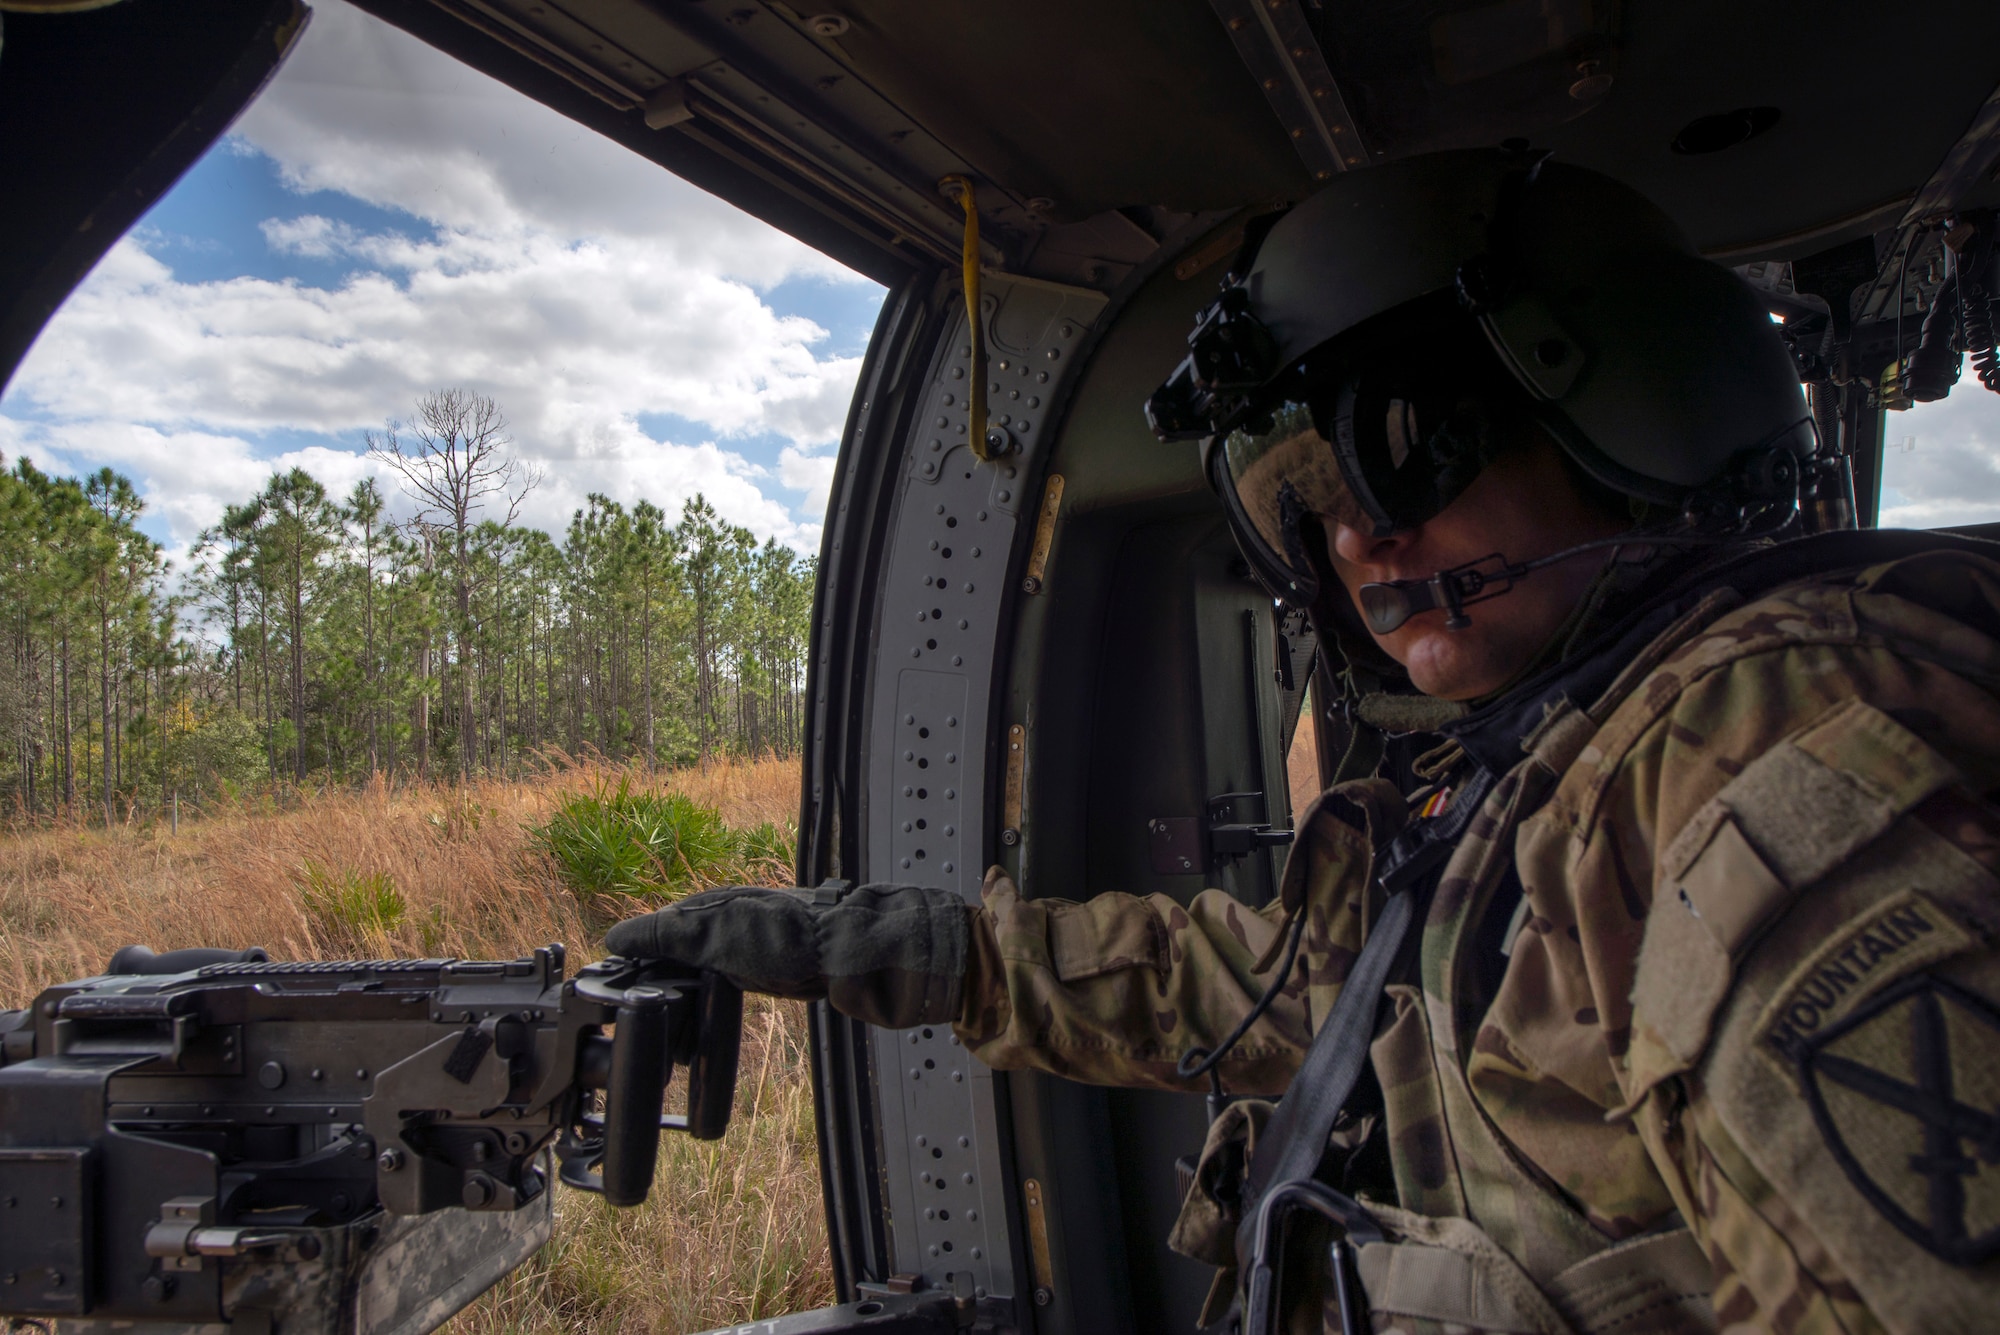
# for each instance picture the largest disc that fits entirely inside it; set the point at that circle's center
(1365, 549)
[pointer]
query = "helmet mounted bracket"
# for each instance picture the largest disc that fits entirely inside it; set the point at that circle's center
(1230, 356)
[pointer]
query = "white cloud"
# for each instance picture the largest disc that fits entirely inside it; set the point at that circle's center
(624, 464)
(187, 476)
(578, 285)
(563, 334)
(809, 473)
(312, 235)
(1952, 476)
(367, 110)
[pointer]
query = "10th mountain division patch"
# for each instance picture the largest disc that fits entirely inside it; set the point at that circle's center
(1901, 1070)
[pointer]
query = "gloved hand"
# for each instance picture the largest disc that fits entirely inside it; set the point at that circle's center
(893, 955)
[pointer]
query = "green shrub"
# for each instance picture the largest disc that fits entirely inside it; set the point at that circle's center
(617, 841)
(349, 908)
(771, 847)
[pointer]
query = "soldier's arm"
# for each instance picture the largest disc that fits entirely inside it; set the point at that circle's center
(1814, 1061)
(1114, 989)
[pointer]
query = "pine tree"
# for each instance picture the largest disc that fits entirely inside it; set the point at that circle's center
(331, 642)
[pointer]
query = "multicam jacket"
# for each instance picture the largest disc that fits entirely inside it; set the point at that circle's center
(1739, 1065)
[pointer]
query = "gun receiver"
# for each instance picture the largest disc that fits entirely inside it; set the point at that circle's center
(330, 1148)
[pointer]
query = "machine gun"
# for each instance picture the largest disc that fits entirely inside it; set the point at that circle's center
(329, 1148)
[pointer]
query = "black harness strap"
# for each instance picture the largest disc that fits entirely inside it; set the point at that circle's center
(1296, 1136)
(1279, 1180)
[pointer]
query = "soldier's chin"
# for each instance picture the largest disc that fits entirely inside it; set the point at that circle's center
(1447, 664)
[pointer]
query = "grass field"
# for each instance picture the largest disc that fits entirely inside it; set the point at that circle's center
(734, 1230)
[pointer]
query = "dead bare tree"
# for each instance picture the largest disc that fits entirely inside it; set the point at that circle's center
(453, 464)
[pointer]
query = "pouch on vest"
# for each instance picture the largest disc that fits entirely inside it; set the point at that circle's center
(1212, 1207)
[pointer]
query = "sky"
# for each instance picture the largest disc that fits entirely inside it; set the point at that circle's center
(384, 222)
(1942, 462)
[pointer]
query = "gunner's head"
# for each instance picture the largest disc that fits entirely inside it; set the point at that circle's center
(1439, 368)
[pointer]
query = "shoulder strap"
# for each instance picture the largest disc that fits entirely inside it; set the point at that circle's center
(1296, 1136)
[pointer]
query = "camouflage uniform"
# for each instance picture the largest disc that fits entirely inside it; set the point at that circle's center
(1742, 1068)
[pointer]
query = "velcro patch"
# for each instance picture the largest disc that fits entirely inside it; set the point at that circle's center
(1897, 936)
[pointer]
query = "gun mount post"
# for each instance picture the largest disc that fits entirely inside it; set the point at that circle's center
(639, 1072)
(712, 1062)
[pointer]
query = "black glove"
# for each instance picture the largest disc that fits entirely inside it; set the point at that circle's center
(893, 955)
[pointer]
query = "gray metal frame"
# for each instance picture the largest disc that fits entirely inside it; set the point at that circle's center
(930, 795)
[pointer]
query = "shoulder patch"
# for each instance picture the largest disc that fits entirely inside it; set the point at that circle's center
(1896, 937)
(1905, 1090)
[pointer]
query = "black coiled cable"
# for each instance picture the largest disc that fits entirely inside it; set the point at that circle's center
(1200, 1061)
(1933, 367)
(1977, 306)
(1977, 297)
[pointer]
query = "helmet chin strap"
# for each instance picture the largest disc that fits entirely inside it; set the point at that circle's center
(1387, 605)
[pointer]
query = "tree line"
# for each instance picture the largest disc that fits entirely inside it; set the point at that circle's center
(316, 639)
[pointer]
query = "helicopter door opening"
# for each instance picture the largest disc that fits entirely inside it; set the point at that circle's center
(1157, 691)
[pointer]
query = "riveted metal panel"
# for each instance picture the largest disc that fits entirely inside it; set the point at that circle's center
(45, 1231)
(932, 781)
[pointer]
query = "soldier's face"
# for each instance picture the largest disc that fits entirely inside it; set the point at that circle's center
(1525, 505)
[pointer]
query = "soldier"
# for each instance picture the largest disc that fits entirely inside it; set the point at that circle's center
(1695, 1026)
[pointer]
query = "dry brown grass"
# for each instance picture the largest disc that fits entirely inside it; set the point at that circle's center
(733, 1231)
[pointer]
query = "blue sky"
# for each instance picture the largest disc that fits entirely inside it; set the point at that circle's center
(383, 222)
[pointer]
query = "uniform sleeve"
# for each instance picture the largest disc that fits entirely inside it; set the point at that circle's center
(1815, 1051)
(1114, 989)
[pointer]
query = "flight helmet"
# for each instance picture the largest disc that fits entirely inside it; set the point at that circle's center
(1385, 339)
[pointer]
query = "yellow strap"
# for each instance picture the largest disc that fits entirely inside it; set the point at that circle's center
(960, 189)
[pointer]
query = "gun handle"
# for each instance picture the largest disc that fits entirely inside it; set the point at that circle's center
(712, 1073)
(632, 1099)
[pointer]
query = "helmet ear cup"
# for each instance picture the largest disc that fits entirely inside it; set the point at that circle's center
(1769, 476)
(1757, 494)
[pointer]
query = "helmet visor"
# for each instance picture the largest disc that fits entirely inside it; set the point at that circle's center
(1379, 441)
(1277, 476)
